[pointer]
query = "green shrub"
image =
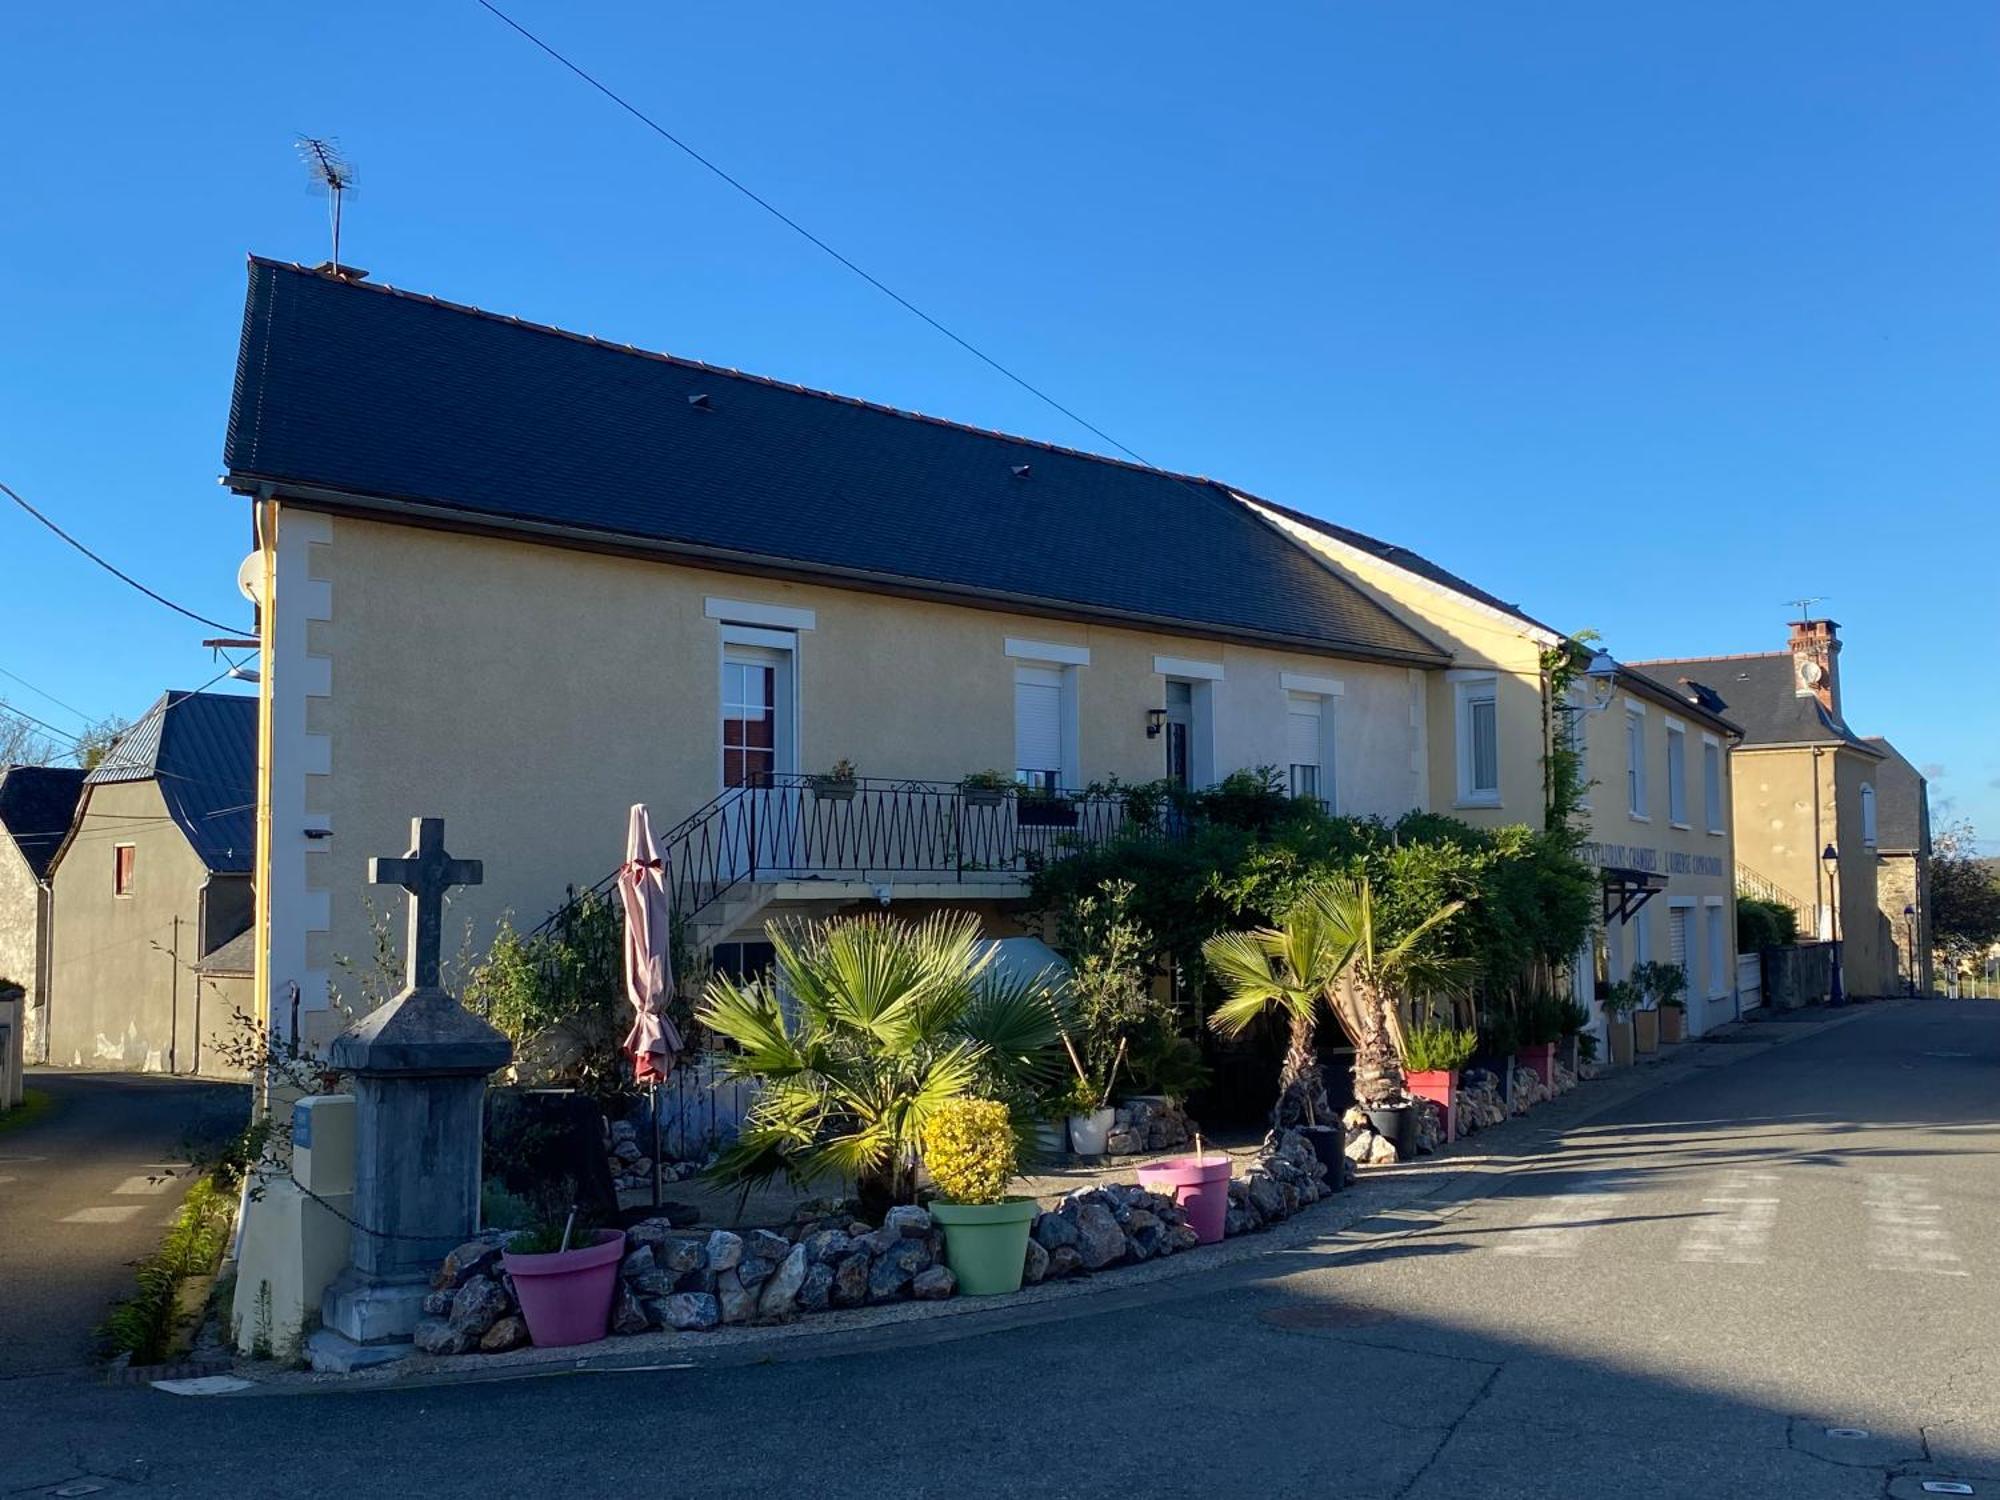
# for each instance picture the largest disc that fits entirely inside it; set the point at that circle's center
(1762, 924)
(143, 1325)
(969, 1150)
(1435, 1047)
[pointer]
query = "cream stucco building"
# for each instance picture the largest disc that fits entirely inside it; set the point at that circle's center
(521, 580)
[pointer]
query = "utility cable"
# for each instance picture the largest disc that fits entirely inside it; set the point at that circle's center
(114, 571)
(44, 693)
(796, 227)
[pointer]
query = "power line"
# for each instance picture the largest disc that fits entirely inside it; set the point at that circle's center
(157, 598)
(796, 227)
(45, 693)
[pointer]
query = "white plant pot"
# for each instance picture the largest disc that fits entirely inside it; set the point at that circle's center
(1089, 1134)
(1051, 1137)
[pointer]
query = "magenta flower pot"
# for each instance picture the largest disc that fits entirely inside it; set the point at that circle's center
(566, 1295)
(1199, 1186)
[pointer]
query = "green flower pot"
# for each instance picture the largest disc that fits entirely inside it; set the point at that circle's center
(986, 1244)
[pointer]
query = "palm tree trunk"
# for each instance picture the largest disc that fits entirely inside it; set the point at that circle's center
(1301, 1086)
(1378, 1070)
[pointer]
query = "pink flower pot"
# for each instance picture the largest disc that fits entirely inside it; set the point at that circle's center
(566, 1295)
(1440, 1086)
(1199, 1186)
(1541, 1061)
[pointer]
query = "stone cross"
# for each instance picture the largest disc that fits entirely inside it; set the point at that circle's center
(426, 872)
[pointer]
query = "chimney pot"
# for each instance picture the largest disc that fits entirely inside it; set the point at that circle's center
(1815, 647)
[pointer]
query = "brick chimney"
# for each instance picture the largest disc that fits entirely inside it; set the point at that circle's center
(1815, 646)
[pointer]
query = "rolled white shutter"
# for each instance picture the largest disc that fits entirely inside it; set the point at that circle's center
(1677, 937)
(1302, 731)
(1038, 719)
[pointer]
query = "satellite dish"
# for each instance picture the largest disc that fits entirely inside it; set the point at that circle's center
(250, 577)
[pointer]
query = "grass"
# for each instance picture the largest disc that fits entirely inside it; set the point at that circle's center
(34, 1104)
(144, 1324)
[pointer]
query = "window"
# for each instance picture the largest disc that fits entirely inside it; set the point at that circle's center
(1305, 738)
(1642, 938)
(1711, 782)
(1038, 726)
(1576, 739)
(121, 869)
(1718, 950)
(1677, 941)
(1635, 760)
(1677, 767)
(1479, 742)
(1867, 816)
(749, 720)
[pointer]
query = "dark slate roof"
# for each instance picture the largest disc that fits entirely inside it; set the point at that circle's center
(1756, 692)
(1902, 803)
(1404, 558)
(1690, 698)
(237, 956)
(386, 396)
(37, 804)
(202, 749)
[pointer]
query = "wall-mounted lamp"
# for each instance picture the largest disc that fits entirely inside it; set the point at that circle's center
(1156, 720)
(1602, 675)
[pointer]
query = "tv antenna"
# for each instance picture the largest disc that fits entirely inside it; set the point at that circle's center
(1803, 607)
(328, 172)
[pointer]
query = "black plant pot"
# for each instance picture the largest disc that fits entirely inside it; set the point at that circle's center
(1329, 1144)
(1396, 1124)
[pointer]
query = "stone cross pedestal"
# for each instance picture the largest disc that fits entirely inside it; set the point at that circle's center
(418, 1067)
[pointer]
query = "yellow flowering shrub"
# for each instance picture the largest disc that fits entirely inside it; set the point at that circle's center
(969, 1148)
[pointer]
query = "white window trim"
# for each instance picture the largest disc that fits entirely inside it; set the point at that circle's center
(1674, 727)
(1464, 686)
(1725, 975)
(1051, 652)
(785, 695)
(1577, 725)
(749, 635)
(1323, 687)
(1201, 723)
(744, 612)
(1329, 736)
(1071, 770)
(1181, 666)
(1636, 787)
(1721, 782)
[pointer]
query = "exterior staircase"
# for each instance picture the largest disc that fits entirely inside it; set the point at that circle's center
(1750, 883)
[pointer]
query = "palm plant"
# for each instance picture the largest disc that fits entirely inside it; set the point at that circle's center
(1326, 951)
(882, 1022)
(1291, 968)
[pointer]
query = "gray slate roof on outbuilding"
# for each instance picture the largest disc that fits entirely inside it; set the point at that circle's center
(37, 805)
(350, 391)
(1757, 694)
(1902, 803)
(202, 749)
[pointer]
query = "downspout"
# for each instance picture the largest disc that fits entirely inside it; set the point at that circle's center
(1820, 904)
(45, 960)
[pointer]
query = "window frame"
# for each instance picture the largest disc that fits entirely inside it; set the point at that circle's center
(1713, 766)
(1468, 691)
(1638, 796)
(1326, 766)
(124, 870)
(1677, 792)
(1870, 830)
(1716, 943)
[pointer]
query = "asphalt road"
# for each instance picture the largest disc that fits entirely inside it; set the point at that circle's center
(1679, 1299)
(85, 1190)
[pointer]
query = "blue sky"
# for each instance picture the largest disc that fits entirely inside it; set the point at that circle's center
(1649, 317)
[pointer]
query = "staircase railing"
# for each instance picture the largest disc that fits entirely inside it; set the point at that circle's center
(1750, 883)
(806, 828)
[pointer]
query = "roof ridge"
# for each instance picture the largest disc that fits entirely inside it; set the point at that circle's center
(1688, 661)
(382, 288)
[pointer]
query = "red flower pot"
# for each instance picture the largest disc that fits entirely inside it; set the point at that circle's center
(1440, 1086)
(1541, 1060)
(566, 1295)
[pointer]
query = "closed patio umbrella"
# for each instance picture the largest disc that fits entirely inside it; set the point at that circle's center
(649, 965)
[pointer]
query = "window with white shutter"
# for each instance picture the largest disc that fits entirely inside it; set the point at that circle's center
(1304, 737)
(1038, 725)
(1711, 781)
(1677, 938)
(1635, 760)
(1677, 764)
(1718, 951)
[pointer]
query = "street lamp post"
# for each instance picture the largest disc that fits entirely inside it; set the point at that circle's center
(1910, 943)
(1830, 857)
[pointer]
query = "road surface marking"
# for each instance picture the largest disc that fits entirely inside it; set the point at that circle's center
(157, 1182)
(115, 1214)
(1737, 1225)
(1906, 1232)
(1558, 1231)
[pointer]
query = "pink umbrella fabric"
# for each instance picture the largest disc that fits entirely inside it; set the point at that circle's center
(649, 966)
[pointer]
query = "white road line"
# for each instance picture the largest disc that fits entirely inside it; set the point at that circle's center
(114, 1214)
(156, 1182)
(1737, 1225)
(1905, 1230)
(1558, 1231)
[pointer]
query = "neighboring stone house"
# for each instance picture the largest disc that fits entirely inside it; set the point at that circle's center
(1656, 757)
(1804, 781)
(521, 579)
(151, 885)
(1903, 878)
(37, 805)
